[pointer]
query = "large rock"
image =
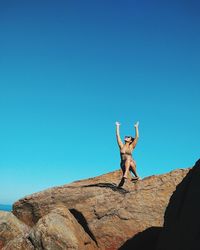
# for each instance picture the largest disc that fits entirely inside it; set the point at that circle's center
(182, 218)
(10, 227)
(21, 242)
(59, 230)
(109, 215)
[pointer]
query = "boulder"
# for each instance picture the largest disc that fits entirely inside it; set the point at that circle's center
(60, 230)
(21, 242)
(108, 214)
(10, 227)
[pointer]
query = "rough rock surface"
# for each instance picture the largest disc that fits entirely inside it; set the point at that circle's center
(181, 229)
(10, 227)
(59, 230)
(109, 216)
(20, 242)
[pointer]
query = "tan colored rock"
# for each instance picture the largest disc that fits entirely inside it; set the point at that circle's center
(110, 215)
(10, 227)
(21, 242)
(59, 230)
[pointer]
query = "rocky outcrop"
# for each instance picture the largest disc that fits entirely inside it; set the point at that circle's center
(60, 230)
(10, 228)
(95, 213)
(20, 242)
(181, 229)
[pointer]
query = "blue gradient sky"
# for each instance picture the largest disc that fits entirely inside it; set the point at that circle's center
(70, 69)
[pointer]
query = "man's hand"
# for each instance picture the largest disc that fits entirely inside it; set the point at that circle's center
(117, 123)
(136, 125)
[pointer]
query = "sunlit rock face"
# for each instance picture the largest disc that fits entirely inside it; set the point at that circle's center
(95, 214)
(10, 228)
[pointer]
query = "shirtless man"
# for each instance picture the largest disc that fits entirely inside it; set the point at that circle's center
(127, 162)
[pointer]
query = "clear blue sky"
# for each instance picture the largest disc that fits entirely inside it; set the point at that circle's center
(70, 69)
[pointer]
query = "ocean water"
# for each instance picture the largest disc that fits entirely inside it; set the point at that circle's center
(6, 207)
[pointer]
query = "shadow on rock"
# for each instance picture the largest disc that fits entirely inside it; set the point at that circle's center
(112, 186)
(83, 222)
(182, 216)
(145, 240)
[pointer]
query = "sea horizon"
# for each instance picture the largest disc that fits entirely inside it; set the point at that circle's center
(5, 207)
